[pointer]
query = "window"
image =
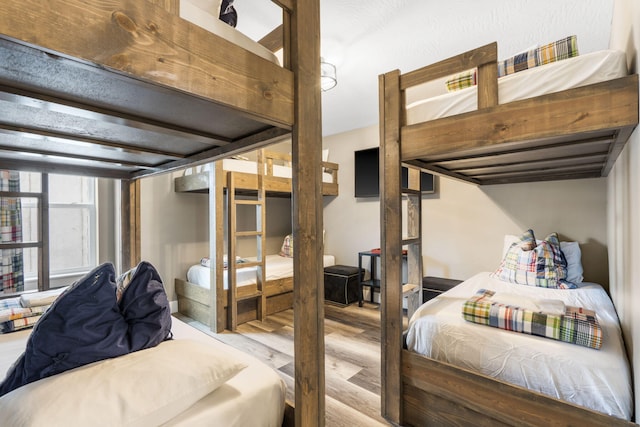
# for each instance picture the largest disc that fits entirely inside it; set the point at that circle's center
(68, 242)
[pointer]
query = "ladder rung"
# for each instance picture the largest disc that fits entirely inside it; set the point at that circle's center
(248, 233)
(408, 289)
(251, 295)
(248, 264)
(249, 202)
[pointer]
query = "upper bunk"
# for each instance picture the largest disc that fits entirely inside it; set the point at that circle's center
(244, 170)
(126, 88)
(564, 120)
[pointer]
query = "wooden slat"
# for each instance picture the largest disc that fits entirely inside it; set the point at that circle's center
(140, 39)
(307, 205)
(216, 244)
(274, 40)
(130, 223)
(391, 245)
(481, 400)
(483, 55)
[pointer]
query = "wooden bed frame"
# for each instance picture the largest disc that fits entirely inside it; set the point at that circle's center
(247, 302)
(506, 143)
(92, 88)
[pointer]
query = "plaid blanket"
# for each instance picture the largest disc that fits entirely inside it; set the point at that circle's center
(13, 316)
(577, 326)
(18, 324)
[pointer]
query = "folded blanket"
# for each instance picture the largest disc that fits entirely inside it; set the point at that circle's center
(36, 299)
(548, 306)
(18, 324)
(576, 326)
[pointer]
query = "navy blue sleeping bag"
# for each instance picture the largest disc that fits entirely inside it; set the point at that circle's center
(87, 324)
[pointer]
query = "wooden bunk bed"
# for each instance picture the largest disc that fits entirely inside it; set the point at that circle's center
(266, 296)
(126, 89)
(574, 133)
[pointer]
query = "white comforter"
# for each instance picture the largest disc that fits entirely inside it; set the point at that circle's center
(597, 379)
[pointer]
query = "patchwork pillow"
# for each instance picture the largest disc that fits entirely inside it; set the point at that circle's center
(528, 263)
(571, 251)
(144, 388)
(556, 51)
(287, 247)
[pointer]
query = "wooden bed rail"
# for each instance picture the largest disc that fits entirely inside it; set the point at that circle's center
(483, 58)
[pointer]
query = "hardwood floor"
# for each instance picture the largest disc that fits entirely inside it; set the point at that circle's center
(352, 358)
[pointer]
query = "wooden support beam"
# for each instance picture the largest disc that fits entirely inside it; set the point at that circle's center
(130, 223)
(308, 290)
(391, 245)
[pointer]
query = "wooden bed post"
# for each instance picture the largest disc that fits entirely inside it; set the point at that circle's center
(130, 223)
(307, 206)
(391, 246)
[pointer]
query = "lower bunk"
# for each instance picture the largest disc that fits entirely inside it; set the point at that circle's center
(194, 297)
(455, 370)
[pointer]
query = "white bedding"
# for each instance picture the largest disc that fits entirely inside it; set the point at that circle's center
(277, 267)
(557, 76)
(196, 13)
(598, 379)
(253, 397)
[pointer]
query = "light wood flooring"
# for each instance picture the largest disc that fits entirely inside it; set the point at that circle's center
(352, 358)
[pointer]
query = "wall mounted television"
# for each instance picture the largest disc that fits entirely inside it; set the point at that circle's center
(367, 180)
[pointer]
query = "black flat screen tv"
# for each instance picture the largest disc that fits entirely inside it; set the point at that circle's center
(367, 180)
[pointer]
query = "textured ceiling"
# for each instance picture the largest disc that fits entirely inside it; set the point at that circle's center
(365, 38)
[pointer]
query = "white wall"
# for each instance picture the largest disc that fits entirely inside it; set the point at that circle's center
(463, 224)
(624, 202)
(175, 228)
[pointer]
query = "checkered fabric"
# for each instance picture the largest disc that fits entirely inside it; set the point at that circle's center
(11, 260)
(577, 326)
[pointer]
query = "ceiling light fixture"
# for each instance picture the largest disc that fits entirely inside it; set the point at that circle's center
(328, 79)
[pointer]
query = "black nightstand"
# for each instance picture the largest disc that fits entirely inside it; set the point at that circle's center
(434, 286)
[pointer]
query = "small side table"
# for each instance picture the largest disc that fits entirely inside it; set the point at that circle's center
(372, 283)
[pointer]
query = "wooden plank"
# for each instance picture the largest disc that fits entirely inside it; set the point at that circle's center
(391, 245)
(495, 400)
(171, 6)
(274, 40)
(487, 54)
(307, 206)
(608, 105)
(216, 222)
(130, 223)
(139, 39)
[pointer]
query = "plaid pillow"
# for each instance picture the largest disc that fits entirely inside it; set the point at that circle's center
(558, 50)
(542, 265)
(287, 247)
(462, 80)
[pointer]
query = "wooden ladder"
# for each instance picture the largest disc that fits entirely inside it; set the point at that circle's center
(235, 294)
(412, 290)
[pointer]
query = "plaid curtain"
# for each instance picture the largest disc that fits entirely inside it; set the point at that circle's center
(11, 263)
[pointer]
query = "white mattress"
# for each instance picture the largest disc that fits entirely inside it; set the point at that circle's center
(557, 76)
(194, 12)
(277, 267)
(254, 397)
(597, 379)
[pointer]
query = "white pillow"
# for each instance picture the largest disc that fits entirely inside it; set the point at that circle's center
(571, 252)
(147, 387)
